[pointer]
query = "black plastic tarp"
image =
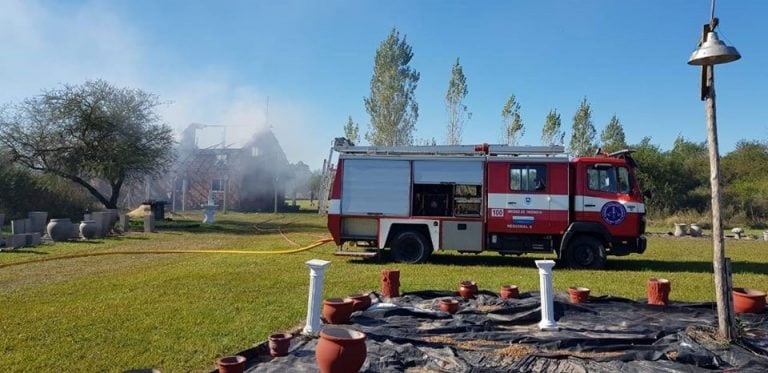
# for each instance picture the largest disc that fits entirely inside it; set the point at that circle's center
(490, 334)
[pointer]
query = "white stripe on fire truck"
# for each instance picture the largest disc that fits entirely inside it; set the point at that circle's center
(556, 202)
(553, 202)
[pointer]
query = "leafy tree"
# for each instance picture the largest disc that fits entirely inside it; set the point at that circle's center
(352, 131)
(391, 104)
(745, 175)
(512, 123)
(612, 136)
(458, 114)
(89, 134)
(582, 131)
(552, 134)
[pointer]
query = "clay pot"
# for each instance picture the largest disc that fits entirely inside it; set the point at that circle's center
(279, 344)
(467, 289)
(60, 229)
(340, 350)
(746, 300)
(449, 305)
(658, 291)
(337, 310)
(390, 283)
(360, 302)
(231, 364)
(88, 229)
(509, 292)
(578, 294)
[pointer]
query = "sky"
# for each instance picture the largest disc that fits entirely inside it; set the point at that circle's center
(303, 67)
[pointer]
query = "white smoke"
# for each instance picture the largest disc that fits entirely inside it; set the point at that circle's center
(42, 47)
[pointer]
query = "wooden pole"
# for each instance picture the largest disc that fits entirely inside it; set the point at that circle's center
(722, 288)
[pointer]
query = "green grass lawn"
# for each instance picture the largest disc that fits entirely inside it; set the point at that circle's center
(179, 312)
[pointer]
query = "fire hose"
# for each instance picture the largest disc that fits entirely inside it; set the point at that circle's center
(141, 252)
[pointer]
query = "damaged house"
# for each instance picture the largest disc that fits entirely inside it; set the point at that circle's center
(250, 178)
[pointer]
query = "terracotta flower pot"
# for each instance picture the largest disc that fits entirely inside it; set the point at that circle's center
(578, 294)
(360, 302)
(340, 350)
(337, 310)
(658, 291)
(279, 344)
(746, 300)
(467, 289)
(509, 292)
(449, 305)
(231, 364)
(390, 283)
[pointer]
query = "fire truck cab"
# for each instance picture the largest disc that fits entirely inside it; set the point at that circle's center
(417, 200)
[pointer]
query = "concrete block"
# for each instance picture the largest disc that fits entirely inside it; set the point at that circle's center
(102, 219)
(20, 226)
(149, 223)
(36, 239)
(125, 223)
(38, 221)
(16, 240)
(32, 239)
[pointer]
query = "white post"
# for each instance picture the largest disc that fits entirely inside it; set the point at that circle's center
(317, 269)
(547, 306)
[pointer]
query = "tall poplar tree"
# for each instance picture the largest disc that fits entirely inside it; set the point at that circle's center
(352, 131)
(551, 133)
(391, 104)
(512, 123)
(583, 131)
(612, 137)
(458, 114)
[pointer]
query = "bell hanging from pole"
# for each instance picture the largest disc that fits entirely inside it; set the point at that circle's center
(713, 51)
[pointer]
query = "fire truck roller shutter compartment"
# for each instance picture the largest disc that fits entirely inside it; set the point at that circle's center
(376, 187)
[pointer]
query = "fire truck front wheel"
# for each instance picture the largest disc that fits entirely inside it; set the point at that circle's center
(586, 252)
(411, 247)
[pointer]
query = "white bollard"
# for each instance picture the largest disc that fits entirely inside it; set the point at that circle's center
(317, 269)
(547, 307)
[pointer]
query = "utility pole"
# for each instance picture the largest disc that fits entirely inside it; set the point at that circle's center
(722, 284)
(711, 51)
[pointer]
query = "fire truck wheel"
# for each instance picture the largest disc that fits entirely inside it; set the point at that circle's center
(410, 247)
(585, 252)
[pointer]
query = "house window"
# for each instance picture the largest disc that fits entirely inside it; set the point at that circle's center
(217, 185)
(527, 178)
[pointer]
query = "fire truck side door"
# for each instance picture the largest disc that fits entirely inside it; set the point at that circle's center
(519, 204)
(604, 198)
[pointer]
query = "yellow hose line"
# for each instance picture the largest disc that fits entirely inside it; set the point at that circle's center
(140, 252)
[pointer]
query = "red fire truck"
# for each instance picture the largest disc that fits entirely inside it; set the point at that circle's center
(416, 200)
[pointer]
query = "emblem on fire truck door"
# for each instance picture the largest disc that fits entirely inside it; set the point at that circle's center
(613, 213)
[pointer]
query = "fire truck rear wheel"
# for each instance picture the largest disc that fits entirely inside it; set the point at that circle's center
(586, 252)
(411, 247)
